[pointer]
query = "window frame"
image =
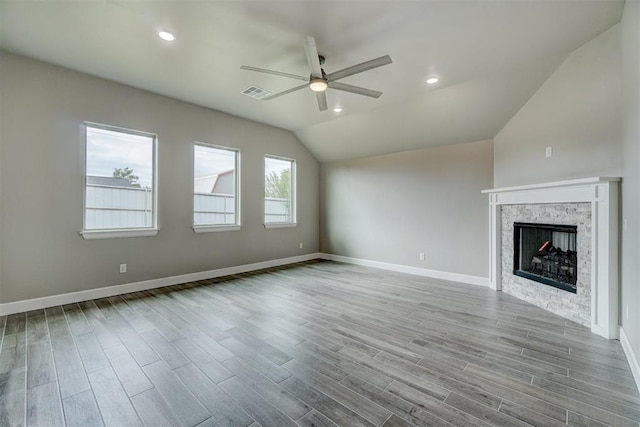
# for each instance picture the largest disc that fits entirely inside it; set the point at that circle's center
(112, 233)
(293, 194)
(209, 228)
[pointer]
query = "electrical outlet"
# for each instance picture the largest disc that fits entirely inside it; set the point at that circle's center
(548, 151)
(123, 268)
(301, 245)
(421, 256)
(625, 225)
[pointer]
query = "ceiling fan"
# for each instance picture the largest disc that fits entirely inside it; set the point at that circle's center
(319, 81)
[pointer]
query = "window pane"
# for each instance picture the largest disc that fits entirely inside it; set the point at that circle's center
(215, 186)
(279, 179)
(119, 191)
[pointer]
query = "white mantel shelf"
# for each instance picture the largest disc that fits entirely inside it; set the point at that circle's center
(569, 183)
(602, 193)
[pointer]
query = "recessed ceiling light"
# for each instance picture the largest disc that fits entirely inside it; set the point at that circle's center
(432, 80)
(337, 109)
(164, 35)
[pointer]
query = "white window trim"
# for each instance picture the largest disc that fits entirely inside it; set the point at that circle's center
(215, 228)
(268, 225)
(209, 228)
(294, 203)
(117, 233)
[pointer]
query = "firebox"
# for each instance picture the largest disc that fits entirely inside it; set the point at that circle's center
(546, 253)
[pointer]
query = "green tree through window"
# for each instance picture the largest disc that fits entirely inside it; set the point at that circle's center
(278, 185)
(127, 174)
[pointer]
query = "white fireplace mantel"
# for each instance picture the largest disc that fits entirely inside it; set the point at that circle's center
(602, 193)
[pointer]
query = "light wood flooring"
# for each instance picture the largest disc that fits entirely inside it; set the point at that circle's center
(314, 344)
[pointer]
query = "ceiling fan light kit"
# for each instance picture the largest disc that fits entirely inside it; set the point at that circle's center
(319, 81)
(318, 85)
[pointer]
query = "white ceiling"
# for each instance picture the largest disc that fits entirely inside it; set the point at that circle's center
(491, 56)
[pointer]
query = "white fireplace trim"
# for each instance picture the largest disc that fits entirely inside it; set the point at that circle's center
(602, 193)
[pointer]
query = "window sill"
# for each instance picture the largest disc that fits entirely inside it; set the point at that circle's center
(281, 225)
(215, 228)
(117, 234)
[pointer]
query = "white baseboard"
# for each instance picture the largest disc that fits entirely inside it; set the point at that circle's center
(73, 297)
(89, 294)
(436, 274)
(631, 357)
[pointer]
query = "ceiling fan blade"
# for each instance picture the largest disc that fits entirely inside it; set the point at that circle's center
(285, 92)
(322, 100)
(312, 56)
(355, 69)
(275, 73)
(355, 89)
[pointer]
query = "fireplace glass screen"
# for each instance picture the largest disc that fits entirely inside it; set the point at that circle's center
(546, 253)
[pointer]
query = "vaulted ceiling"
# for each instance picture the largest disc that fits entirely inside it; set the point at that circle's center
(490, 55)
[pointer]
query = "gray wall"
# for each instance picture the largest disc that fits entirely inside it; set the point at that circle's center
(589, 111)
(577, 112)
(390, 208)
(631, 175)
(41, 175)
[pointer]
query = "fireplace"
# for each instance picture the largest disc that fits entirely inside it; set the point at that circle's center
(546, 253)
(589, 203)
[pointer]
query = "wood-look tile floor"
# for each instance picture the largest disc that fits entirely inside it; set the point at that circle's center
(314, 344)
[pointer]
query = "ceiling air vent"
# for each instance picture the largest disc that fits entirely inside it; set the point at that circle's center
(256, 92)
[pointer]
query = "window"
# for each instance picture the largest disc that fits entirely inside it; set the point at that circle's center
(215, 188)
(120, 190)
(279, 192)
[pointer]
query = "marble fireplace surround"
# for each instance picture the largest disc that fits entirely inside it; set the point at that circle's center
(602, 194)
